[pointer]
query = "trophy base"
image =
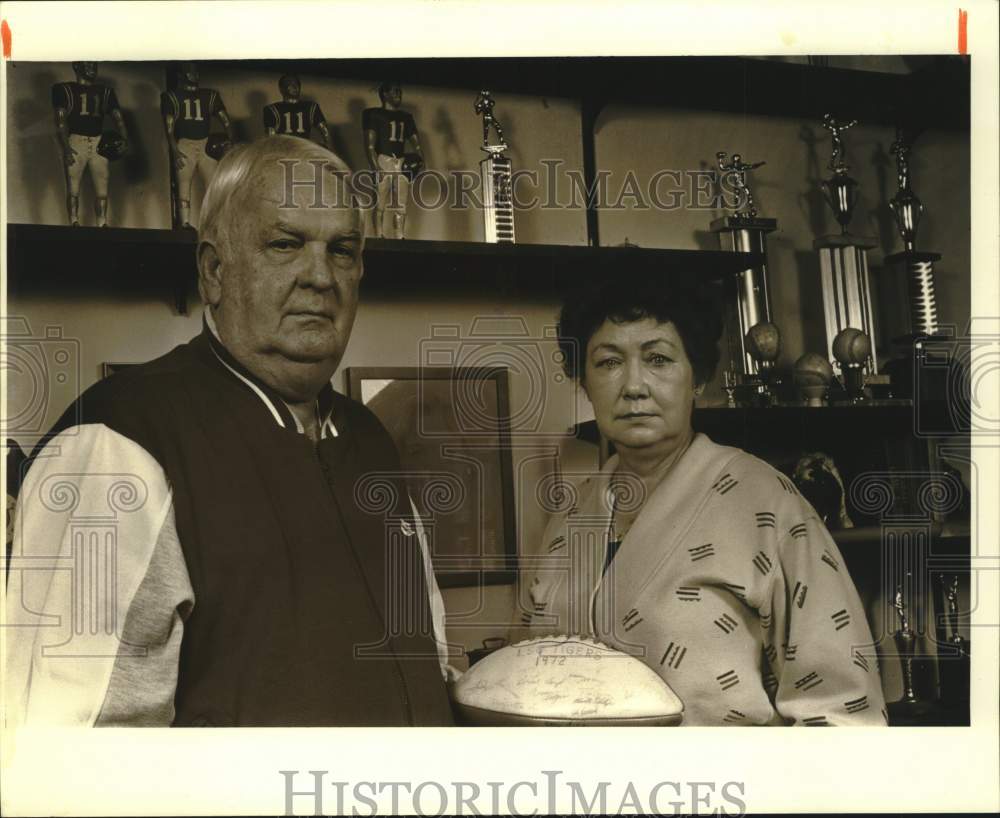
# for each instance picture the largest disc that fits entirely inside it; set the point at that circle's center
(905, 711)
(844, 240)
(737, 222)
(908, 256)
(494, 151)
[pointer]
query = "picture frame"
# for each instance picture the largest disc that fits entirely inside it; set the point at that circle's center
(451, 426)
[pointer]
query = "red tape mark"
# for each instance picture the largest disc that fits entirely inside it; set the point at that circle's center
(963, 31)
(5, 35)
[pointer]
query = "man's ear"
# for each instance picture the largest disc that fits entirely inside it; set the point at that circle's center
(209, 273)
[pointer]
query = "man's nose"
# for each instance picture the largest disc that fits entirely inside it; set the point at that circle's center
(318, 269)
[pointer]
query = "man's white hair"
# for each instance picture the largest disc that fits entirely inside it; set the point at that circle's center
(243, 164)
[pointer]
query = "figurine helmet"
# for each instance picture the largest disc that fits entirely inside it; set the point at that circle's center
(111, 146)
(286, 83)
(86, 68)
(217, 145)
(385, 87)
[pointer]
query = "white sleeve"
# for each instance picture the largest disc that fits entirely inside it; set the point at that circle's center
(90, 515)
(434, 595)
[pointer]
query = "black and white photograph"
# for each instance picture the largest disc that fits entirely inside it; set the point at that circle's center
(350, 388)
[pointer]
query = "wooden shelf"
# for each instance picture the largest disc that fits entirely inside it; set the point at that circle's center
(86, 260)
(728, 84)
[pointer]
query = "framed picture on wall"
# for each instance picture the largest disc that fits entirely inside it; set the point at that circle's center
(451, 427)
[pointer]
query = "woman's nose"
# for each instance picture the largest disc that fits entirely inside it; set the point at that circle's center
(635, 382)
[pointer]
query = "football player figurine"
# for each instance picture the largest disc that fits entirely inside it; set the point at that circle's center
(187, 118)
(484, 105)
(292, 115)
(394, 153)
(80, 108)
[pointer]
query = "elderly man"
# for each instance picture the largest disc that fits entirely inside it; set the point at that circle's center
(239, 549)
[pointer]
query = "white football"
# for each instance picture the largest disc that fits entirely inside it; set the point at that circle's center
(563, 680)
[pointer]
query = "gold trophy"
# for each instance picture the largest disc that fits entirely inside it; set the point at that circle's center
(954, 655)
(812, 375)
(763, 344)
(910, 704)
(743, 231)
(843, 258)
(852, 351)
(917, 267)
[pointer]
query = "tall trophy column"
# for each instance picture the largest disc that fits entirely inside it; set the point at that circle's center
(918, 268)
(744, 232)
(495, 173)
(843, 258)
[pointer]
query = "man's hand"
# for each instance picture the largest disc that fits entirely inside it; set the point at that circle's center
(69, 156)
(180, 160)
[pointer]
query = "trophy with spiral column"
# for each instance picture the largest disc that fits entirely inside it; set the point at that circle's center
(916, 267)
(495, 174)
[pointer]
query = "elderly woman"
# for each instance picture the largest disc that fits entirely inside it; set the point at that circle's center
(700, 559)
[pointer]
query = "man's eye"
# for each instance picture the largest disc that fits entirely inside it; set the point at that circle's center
(282, 244)
(660, 360)
(342, 250)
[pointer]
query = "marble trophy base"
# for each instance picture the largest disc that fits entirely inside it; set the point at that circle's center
(914, 702)
(847, 300)
(953, 672)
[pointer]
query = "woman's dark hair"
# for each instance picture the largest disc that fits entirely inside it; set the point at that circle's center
(692, 307)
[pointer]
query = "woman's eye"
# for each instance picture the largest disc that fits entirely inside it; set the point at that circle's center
(659, 360)
(608, 363)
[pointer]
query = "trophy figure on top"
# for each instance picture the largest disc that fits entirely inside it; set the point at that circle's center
(736, 170)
